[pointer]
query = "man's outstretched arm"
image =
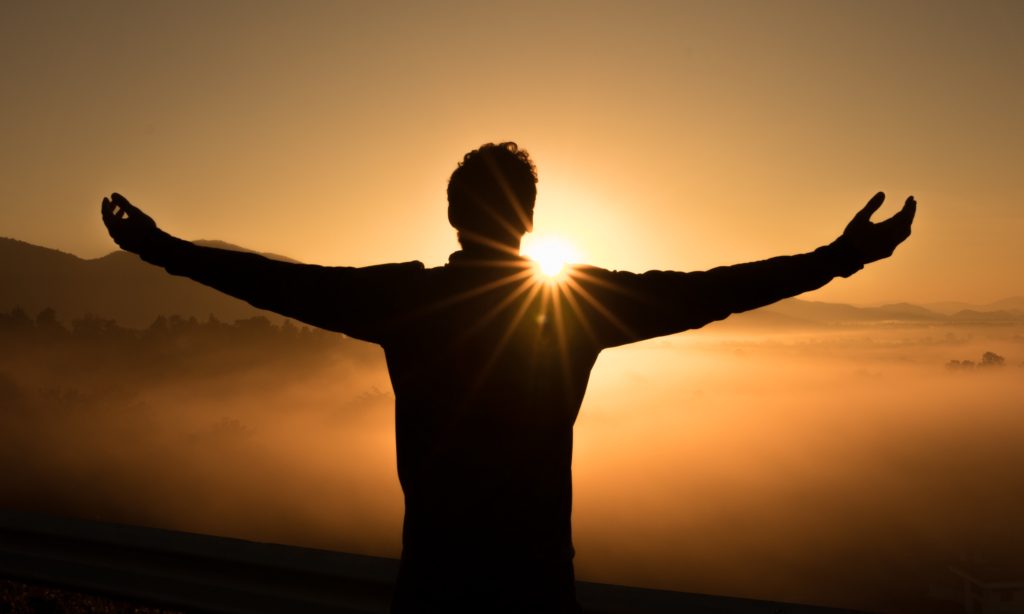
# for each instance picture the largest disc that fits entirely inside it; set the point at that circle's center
(633, 307)
(343, 299)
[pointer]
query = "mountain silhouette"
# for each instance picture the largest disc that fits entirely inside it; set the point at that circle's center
(119, 286)
(799, 313)
(1013, 304)
(233, 247)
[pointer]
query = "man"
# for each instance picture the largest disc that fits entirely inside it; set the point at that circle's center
(489, 363)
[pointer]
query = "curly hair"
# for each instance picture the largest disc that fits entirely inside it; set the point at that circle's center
(492, 192)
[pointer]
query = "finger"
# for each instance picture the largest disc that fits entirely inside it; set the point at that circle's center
(130, 211)
(906, 214)
(869, 209)
(899, 224)
(107, 211)
(122, 203)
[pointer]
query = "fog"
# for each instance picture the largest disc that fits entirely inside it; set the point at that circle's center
(849, 468)
(838, 466)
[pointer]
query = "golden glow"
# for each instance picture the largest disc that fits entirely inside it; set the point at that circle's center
(550, 253)
(712, 166)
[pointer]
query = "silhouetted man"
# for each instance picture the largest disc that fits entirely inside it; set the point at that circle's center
(489, 364)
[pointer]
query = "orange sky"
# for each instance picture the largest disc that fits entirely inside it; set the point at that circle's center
(676, 135)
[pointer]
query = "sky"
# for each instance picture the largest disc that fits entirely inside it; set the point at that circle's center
(667, 135)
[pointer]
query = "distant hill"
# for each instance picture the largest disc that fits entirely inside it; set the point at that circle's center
(1011, 305)
(122, 287)
(798, 313)
(233, 247)
(119, 286)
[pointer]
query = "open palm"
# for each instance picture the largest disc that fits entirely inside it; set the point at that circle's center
(873, 241)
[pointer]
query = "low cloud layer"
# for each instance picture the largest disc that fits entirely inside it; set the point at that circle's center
(848, 467)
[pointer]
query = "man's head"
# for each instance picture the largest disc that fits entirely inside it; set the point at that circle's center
(491, 196)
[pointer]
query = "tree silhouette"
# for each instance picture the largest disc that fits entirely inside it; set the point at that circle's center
(47, 322)
(991, 359)
(988, 359)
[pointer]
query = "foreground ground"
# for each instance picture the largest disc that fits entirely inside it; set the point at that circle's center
(23, 598)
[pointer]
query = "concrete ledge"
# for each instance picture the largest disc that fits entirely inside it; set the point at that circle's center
(217, 574)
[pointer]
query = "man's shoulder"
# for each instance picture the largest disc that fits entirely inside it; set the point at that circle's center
(392, 276)
(397, 268)
(583, 273)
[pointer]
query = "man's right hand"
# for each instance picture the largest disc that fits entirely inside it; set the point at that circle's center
(130, 228)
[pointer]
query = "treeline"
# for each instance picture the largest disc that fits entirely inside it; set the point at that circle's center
(988, 360)
(95, 366)
(170, 346)
(46, 326)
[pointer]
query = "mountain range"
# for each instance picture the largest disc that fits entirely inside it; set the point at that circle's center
(117, 286)
(122, 287)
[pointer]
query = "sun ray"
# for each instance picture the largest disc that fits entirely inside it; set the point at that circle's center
(522, 273)
(596, 304)
(570, 297)
(527, 284)
(583, 274)
(554, 293)
(510, 194)
(499, 347)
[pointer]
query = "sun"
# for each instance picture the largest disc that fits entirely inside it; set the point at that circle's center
(550, 253)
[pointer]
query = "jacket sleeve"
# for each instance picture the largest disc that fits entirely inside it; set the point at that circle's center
(358, 302)
(621, 307)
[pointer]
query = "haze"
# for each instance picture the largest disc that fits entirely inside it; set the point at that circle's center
(848, 467)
